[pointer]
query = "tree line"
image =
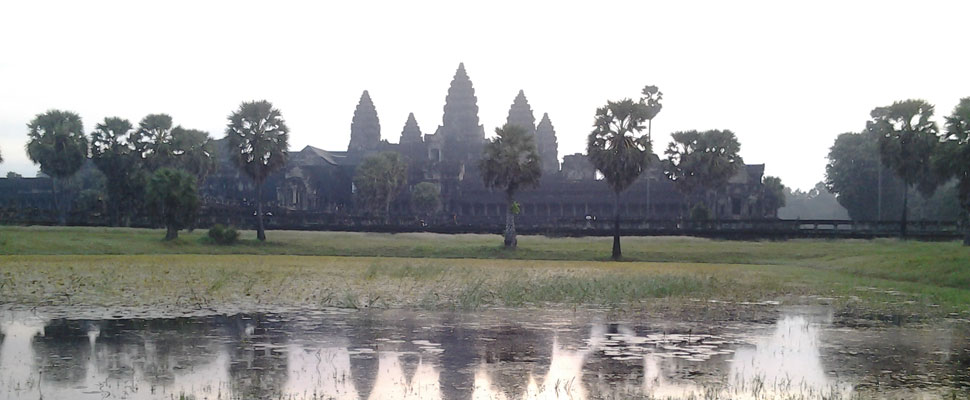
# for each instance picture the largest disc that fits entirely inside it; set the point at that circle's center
(698, 163)
(901, 151)
(156, 165)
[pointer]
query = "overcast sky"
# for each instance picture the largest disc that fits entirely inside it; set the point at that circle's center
(786, 77)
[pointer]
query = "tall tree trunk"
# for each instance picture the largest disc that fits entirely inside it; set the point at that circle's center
(649, 213)
(879, 195)
(387, 211)
(617, 254)
(260, 230)
(61, 217)
(511, 242)
(902, 223)
(171, 232)
(717, 209)
(115, 212)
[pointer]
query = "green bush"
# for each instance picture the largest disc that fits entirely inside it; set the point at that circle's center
(223, 235)
(700, 213)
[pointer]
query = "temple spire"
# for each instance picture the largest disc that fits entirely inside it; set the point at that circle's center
(520, 114)
(547, 145)
(411, 132)
(460, 129)
(365, 129)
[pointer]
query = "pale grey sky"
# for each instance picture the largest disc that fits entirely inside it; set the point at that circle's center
(787, 77)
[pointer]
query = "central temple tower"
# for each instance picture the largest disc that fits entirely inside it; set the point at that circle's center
(460, 134)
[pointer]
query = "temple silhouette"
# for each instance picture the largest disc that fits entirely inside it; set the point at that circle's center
(315, 189)
(320, 181)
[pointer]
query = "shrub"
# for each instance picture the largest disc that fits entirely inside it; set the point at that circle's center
(700, 213)
(223, 235)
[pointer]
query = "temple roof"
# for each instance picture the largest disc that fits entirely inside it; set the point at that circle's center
(331, 157)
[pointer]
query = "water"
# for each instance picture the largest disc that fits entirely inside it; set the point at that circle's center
(497, 354)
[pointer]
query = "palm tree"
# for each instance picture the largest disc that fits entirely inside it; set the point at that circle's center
(953, 158)
(153, 141)
(907, 139)
(113, 156)
(652, 97)
(618, 152)
(257, 139)
(510, 162)
(57, 143)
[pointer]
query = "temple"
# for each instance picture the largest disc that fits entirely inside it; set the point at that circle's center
(320, 181)
(315, 188)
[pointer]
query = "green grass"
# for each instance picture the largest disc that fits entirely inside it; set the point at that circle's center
(133, 267)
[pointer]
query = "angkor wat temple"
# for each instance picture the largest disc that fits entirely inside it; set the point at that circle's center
(316, 185)
(320, 181)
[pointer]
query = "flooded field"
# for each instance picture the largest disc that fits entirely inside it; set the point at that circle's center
(495, 354)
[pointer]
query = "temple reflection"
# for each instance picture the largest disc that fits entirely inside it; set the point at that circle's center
(257, 356)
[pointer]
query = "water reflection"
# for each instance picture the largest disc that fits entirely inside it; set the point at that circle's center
(332, 355)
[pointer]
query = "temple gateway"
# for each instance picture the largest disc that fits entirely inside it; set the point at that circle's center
(317, 181)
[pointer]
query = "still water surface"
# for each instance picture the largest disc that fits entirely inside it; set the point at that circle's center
(336, 354)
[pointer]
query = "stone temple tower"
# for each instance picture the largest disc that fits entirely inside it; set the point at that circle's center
(412, 143)
(365, 129)
(548, 145)
(520, 114)
(411, 132)
(460, 131)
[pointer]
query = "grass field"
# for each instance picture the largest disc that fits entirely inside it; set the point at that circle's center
(133, 267)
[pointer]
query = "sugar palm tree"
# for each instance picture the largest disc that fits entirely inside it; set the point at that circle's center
(952, 161)
(257, 138)
(618, 151)
(57, 143)
(907, 140)
(510, 162)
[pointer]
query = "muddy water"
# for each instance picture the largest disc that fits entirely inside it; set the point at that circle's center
(334, 354)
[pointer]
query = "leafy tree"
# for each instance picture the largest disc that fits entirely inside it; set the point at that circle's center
(257, 139)
(510, 161)
(863, 186)
(87, 189)
(774, 197)
(816, 203)
(426, 198)
(616, 149)
(378, 181)
(907, 139)
(702, 161)
(172, 196)
(953, 159)
(57, 143)
(13, 175)
(113, 154)
(1, 157)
